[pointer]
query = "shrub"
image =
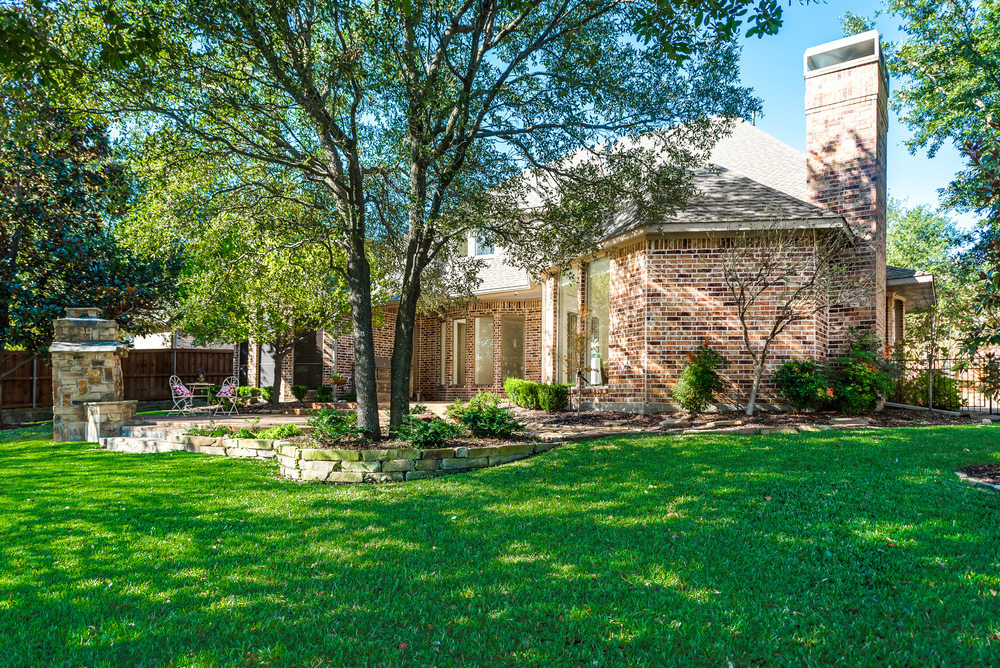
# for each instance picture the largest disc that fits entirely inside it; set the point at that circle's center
(524, 393)
(247, 391)
(242, 432)
(324, 393)
(299, 392)
(329, 425)
(803, 384)
(212, 430)
(455, 409)
(491, 422)
(947, 394)
(281, 431)
(527, 394)
(351, 396)
(427, 433)
(866, 375)
(418, 409)
(483, 400)
(553, 397)
(700, 379)
(512, 388)
(267, 393)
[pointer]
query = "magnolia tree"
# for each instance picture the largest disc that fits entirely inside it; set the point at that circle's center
(61, 196)
(776, 277)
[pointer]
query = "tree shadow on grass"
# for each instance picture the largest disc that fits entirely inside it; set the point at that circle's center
(656, 551)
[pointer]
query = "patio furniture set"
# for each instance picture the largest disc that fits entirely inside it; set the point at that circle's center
(184, 396)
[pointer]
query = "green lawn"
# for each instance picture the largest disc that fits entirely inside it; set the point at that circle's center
(852, 549)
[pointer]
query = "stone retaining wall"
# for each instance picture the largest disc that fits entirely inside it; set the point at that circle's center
(348, 466)
(394, 465)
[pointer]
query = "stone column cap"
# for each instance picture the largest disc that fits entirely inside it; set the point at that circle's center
(83, 312)
(99, 347)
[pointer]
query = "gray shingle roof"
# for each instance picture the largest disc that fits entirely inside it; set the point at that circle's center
(753, 177)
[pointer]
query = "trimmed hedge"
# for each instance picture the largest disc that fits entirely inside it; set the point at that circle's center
(534, 396)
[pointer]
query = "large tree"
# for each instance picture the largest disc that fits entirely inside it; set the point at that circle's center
(258, 254)
(418, 117)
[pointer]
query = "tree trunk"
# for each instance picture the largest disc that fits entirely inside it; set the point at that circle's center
(360, 298)
(402, 345)
(402, 355)
(758, 374)
(279, 363)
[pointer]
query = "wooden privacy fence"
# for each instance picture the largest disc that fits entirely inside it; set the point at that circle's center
(146, 372)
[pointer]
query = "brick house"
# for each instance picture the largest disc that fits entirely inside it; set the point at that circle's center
(650, 296)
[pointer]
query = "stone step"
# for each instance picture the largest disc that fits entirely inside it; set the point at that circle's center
(149, 431)
(145, 445)
(139, 445)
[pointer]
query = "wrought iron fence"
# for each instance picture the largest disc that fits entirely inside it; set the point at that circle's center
(959, 384)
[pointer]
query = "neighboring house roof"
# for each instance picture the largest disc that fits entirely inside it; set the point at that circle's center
(916, 287)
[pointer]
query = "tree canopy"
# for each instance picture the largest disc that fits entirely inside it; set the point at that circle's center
(421, 121)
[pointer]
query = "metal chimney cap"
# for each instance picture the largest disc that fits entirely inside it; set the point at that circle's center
(842, 53)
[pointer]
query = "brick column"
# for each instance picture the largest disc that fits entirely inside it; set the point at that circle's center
(847, 90)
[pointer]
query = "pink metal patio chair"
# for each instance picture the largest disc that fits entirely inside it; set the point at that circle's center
(227, 393)
(182, 396)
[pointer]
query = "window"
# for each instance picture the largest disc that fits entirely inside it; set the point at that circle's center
(307, 368)
(484, 351)
(566, 328)
(599, 311)
(444, 353)
(458, 356)
(899, 311)
(512, 347)
(483, 245)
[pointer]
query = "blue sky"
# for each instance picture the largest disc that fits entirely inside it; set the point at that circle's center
(772, 66)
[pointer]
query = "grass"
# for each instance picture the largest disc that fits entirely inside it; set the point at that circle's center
(854, 549)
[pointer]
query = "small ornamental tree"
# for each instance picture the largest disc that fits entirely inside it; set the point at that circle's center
(777, 277)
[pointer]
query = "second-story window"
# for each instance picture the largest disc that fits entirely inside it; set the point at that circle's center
(482, 245)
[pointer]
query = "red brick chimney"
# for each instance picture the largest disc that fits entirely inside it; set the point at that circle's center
(847, 91)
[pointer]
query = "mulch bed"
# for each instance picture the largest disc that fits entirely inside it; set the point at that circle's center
(988, 473)
(889, 417)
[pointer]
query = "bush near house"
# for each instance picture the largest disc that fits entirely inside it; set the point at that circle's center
(866, 375)
(324, 393)
(267, 393)
(700, 379)
(534, 396)
(947, 394)
(803, 384)
(299, 392)
(491, 422)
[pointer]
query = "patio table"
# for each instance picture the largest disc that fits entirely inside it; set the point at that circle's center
(200, 390)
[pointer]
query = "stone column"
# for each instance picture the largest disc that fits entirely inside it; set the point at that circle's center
(87, 370)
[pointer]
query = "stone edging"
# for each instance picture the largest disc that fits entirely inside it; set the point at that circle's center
(966, 478)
